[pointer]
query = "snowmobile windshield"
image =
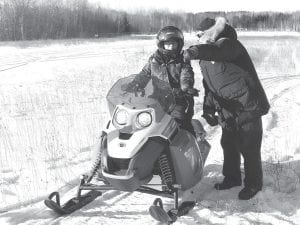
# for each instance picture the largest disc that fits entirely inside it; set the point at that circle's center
(156, 94)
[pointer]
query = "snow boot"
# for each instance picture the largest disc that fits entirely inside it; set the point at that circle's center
(248, 193)
(227, 184)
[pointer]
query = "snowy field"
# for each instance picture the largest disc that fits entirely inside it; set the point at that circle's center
(52, 99)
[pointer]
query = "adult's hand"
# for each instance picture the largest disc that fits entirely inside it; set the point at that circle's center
(211, 119)
(177, 92)
(231, 124)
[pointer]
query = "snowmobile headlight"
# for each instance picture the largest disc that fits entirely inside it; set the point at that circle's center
(121, 117)
(144, 119)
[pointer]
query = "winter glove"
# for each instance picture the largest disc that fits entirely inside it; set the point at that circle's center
(211, 119)
(177, 92)
(192, 92)
(230, 124)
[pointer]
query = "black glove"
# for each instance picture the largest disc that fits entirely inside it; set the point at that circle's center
(177, 92)
(192, 91)
(230, 124)
(211, 119)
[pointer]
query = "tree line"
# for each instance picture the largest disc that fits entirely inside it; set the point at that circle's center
(59, 19)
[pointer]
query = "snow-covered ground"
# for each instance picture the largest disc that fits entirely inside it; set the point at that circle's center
(53, 108)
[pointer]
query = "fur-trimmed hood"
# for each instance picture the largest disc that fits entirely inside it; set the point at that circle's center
(211, 30)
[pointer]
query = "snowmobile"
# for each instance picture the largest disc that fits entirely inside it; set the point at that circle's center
(142, 141)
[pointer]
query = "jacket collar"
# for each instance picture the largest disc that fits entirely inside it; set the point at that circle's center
(164, 59)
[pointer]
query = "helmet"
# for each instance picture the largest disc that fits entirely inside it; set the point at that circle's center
(169, 33)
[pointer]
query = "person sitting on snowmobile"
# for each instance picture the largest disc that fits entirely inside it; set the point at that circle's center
(167, 64)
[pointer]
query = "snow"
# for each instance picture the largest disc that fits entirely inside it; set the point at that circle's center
(53, 109)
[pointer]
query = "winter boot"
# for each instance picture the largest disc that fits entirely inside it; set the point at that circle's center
(227, 184)
(247, 193)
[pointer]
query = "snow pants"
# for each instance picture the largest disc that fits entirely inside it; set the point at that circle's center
(245, 141)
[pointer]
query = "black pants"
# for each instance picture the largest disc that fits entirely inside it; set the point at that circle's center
(246, 141)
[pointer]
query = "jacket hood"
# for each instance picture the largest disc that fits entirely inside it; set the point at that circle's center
(228, 32)
(212, 30)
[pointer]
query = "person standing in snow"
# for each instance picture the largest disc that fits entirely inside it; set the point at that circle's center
(234, 99)
(167, 64)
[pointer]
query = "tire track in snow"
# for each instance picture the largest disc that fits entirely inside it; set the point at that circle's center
(271, 83)
(55, 56)
(265, 61)
(296, 60)
(42, 215)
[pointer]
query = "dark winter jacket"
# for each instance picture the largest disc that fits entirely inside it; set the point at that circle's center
(174, 71)
(178, 74)
(230, 80)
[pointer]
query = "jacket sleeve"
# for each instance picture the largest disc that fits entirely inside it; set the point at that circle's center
(143, 77)
(208, 104)
(223, 50)
(186, 77)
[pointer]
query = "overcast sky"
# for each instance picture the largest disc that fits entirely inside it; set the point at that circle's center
(203, 5)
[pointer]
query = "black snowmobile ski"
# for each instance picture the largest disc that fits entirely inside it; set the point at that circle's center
(168, 217)
(71, 205)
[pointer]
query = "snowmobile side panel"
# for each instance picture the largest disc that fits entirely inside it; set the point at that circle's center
(201, 134)
(186, 159)
(204, 149)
